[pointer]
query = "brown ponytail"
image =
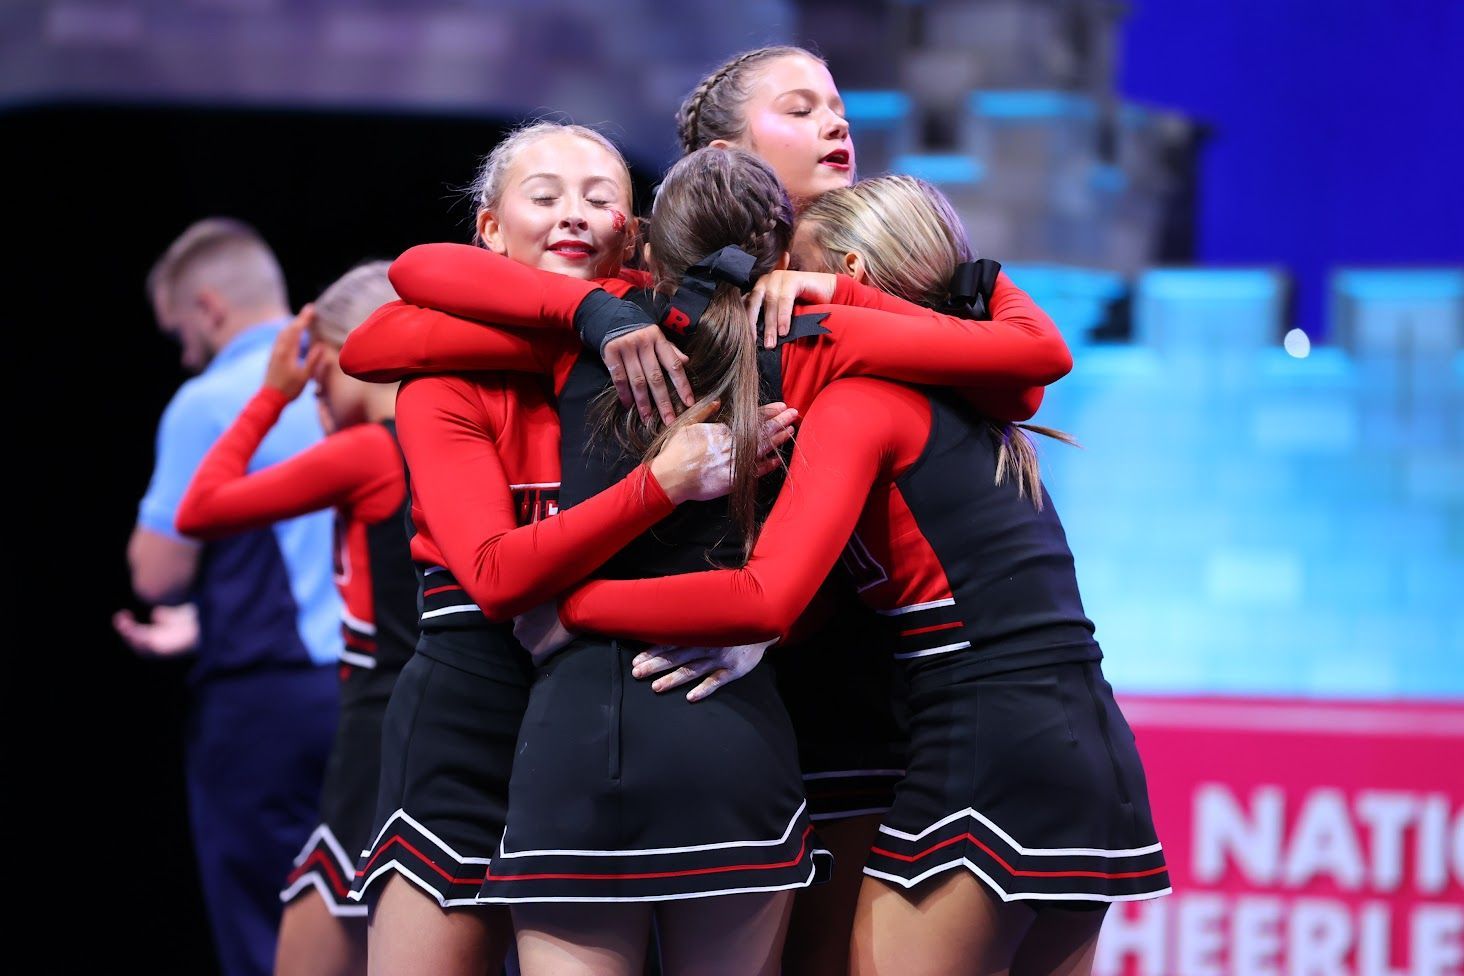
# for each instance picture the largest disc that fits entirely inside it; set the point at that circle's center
(713, 198)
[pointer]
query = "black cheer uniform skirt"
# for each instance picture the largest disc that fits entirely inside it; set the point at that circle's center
(447, 748)
(846, 700)
(327, 862)
(621, 794)
(1030, 779)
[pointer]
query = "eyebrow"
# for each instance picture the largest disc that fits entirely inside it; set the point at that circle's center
(555, 176)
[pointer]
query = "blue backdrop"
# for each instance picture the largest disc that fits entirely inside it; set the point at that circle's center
(1336, 135)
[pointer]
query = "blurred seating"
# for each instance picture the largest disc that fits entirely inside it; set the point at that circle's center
(1248, 521)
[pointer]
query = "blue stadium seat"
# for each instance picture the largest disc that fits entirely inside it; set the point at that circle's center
(1209, 312)
(1244, 520)
(1404, 312)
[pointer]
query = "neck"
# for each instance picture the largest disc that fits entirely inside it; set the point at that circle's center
(244, 318)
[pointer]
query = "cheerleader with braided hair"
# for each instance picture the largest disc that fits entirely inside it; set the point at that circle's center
(780, 104)
(1012, 349)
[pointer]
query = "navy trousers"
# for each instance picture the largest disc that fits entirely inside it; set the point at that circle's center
(256, 756)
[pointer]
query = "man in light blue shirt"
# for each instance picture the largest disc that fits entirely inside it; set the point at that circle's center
(264, 690)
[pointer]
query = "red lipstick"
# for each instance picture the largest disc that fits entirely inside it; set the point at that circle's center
(838, 159)
(572, 249)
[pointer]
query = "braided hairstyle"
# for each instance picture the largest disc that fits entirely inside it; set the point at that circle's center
(713, 110)
(713, 198)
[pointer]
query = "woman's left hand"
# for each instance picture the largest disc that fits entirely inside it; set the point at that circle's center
(647, 370)
(717, 665)
(540, 631)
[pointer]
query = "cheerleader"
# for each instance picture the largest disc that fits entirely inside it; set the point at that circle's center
(1024, 810)
(483, 451)
(357, 470)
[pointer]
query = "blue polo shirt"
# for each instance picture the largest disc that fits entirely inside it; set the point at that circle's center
(265, 598)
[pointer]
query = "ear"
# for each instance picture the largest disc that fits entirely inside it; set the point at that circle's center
(720, 144)
(647, 256)
(784, 262)
(854, 266)
(491, 232)
(215, 310)
(633, 231)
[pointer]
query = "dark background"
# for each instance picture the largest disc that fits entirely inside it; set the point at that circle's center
(102, 191)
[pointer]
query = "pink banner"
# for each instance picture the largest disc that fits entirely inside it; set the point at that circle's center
(1305, 838)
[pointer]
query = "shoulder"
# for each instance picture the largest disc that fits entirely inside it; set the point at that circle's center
(199, 402)
(473, 397)
(365, 451)
(873, 410)
(451, 386)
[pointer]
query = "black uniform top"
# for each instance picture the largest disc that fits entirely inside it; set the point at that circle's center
(904, 483)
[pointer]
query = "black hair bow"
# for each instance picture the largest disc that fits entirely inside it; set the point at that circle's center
(730, 265)
(971, 288)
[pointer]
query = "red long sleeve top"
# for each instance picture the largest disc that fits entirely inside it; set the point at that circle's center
(483, 450)
(904, 488)
(357, 471)
(1002, 364)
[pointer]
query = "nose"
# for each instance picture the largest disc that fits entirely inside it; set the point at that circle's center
(836, 127)
(572, 217)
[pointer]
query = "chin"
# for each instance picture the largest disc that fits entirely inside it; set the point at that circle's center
(821, 184)
(833, 180)
(570, 269)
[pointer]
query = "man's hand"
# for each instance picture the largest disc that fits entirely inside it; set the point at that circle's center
(171, 631)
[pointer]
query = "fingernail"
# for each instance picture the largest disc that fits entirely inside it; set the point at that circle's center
(638, 671)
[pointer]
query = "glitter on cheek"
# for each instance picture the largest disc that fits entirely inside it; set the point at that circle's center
(617, 220)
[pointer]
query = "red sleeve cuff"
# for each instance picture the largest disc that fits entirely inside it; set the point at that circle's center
(651, 492)
(273, 397)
